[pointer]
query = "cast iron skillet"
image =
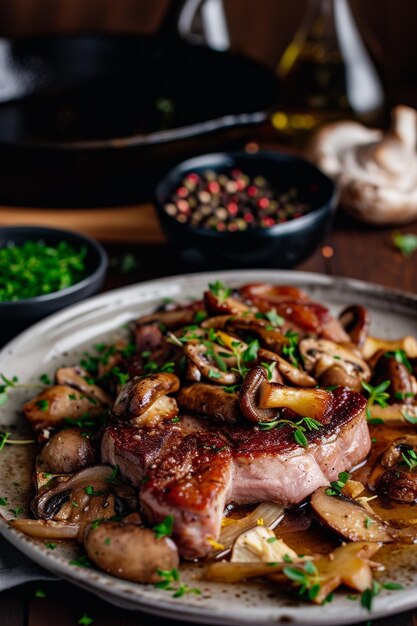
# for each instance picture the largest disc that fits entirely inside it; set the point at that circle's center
(96, 120)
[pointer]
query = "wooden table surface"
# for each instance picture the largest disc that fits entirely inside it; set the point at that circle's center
(359, 252)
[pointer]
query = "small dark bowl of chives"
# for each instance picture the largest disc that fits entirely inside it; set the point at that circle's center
(43, 270)
(217, 210)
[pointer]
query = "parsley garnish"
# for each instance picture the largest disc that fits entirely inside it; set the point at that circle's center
(305, 578)
(89, 490)
(368, 595)
(336, 486)
(220, 290)
(50, 545)
(44, 378)
(40, 593)
(406, 244)
(300, 427)
(4, 501)
(85, 620)
(164, 528)
(401, 357)
(82, 561)
(376, 395)
(171, 582)
(410, 458)
(43, 405)
(290, 349)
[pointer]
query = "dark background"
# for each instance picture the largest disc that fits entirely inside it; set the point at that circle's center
(259, 28)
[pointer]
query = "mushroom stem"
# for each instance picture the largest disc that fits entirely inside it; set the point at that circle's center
(315, 403)
(408, 344)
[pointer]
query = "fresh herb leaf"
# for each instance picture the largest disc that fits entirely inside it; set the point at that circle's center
(44, 378)
(214, 374)
(220, 291)
(50, 545)
(290, 349)
(251, 352)
(406, 244)
(82, 561)
(273, 317)
(336, 486)
(410, 458)
(401, 357)
(85, 620)
(43, 405)
(164, 528)
(40, 593)
(90, 491)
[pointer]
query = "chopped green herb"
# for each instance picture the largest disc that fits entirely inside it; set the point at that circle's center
(164, 528)
(271, 539)
(113, 476)
(44, 378)
(200, 316)
(35, 269)
(251, 352)
(287, 559)
(401, 357)
(406, 244)
(232, 388)
(170, 581)
(4, 437)
(50, 545)
(376, 395)
(300, 427)
(107, 541)
(213, 374)
(220, 291)
(82, 561)
(85, 620)
(410, 458)
(4, 501)
(175, 420)
(43, 405)
(96, 523)
(368, 522)
(126, 263)
(40, 593)
(305, 578)
(89, 490)
(290, 349)
(16, 512)
(336, 486)
(274, 318)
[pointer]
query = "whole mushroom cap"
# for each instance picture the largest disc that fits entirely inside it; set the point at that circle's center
(376, 172)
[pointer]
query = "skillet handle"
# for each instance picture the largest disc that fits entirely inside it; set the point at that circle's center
(201, 22)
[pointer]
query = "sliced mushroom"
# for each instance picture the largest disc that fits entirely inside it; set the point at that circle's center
(399, 482)
(249, 397)
(259, 544)
(144, 401)
(271, 338)
(296, 376)
(372, 344)
(210, 400)
(173, 317)
(66, 452)
(394, 414)
(46, 529)
(77, 377)
(97, 479)
(348, 519)
(226, 306)
(192, 373)
(53, 405)
(314, 403)
(402, 382)
(199, 354)
(129, 551)
(322, 355)
(356, 320)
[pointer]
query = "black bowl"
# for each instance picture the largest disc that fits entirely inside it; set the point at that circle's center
(18, 314)
(281, 246)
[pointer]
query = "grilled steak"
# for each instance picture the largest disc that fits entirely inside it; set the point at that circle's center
(193, 468)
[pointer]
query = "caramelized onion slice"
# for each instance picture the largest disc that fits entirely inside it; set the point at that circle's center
(268, 514)
(46, 529)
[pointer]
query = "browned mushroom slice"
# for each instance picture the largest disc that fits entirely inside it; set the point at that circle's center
(314, 403)
(192, 373)
(174, 317)
(348, 519)
(356, 320)
(402, 382)
(228, 305)
(297, 377)
(321, 355)
(269, 336)
(53, 405)
(209, 366)
(399, 480)
(46, 529)
(210, 400)
(130, 551)
(218, 322)
(77, 377)
(249, 396)
(67, 452)
(145, 401)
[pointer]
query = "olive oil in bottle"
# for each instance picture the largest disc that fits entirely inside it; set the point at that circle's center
(327, 72)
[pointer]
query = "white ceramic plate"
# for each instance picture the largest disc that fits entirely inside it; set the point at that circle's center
(64, 336)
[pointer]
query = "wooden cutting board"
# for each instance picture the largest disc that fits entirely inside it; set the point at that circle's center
(137, 223)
